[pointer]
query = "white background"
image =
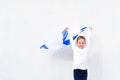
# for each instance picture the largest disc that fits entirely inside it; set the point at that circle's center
(26, 24)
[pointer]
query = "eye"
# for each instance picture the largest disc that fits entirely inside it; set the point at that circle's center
(81, 43)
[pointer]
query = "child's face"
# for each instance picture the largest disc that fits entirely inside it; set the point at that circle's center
(81, 43)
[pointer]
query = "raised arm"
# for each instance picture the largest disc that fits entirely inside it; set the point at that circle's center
(87, 35)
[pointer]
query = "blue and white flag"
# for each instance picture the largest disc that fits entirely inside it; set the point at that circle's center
(64, 42)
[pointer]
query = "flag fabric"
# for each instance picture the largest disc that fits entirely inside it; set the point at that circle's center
(65, 41)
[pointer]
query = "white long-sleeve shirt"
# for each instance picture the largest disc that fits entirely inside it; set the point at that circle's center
(80, 56)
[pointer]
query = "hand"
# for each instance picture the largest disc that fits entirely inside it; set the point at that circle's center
(90, 28)
(67, 28)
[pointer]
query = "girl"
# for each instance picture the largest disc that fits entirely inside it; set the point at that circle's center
(80, 53)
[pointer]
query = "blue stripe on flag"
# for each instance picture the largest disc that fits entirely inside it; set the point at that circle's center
(65, 34)
(66, 42)
(44, 46)
(74, 37)
(83, 29)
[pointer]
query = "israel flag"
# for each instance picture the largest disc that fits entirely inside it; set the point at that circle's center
(64, 42)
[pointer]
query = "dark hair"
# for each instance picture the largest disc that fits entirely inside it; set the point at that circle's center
(80, 37)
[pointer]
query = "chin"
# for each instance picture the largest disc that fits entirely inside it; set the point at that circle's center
(81, 47)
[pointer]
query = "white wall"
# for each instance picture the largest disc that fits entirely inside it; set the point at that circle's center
(26, 24)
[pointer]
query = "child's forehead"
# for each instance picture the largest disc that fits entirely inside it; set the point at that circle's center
(81, 39)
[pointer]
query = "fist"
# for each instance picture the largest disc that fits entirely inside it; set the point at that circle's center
(90, 28)
(67, 28)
